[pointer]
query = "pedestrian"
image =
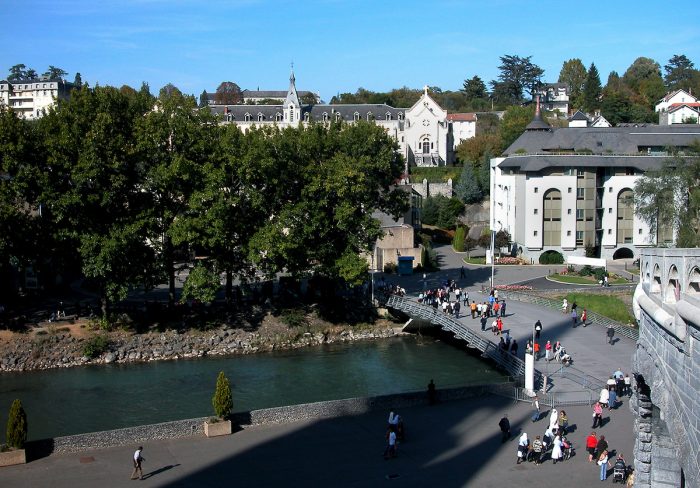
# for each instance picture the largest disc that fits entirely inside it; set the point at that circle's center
(503, 308)
(495, 294)
(610, 333)
(536, 406)
(591, 443)
(597, 415)
(502, 344)
(601, 446)
(554, 421)
(536, 348)
(538, 329)
(574, 317)
(462, 274)
(431, 393)
(604, 397)
(523, 445)
(564, 306)
(547, 351)
(537, 450)
(563, 422)
(628, 385)
(456, 307)
(465, 298)
(584, 317)
(507, 339)
(604, 464)
(483, 321)
(390, 450)
(473, 308)
(138, 459)
(499, 325)
(496, 309)
(480, 309)
(504, 425)
(612, 399)
(514, 347)
(556, 449)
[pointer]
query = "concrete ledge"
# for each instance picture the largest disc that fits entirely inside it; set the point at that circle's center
(195, 427)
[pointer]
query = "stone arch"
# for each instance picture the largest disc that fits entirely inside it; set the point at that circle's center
(623, 253)
(647, 273)
(673, 286)
(656, 280)
(551, 217)
(694, 281)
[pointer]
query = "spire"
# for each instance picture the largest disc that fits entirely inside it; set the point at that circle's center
(292, 96)
(537, 122)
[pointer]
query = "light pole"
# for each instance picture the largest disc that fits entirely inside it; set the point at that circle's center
(371, 272)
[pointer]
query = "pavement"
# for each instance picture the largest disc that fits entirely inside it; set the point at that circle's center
(452, 444)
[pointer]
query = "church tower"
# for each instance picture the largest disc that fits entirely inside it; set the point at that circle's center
(292, 107)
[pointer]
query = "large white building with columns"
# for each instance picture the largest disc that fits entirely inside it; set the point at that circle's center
(571, 188)
(426, 134)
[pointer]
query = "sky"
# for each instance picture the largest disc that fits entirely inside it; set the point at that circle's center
(336, 45)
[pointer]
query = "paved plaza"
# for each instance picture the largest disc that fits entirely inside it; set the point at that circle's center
(451, 444)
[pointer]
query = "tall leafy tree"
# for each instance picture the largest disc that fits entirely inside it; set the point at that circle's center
(642, 69)
(204, 99)
(467, 188)
(520, 75)
(680, 73)
(30, 74)
(78, 80)
(228, 93)
(592, 90)
(54, 73)
(514, 122)
(573, 72)
(474, 88)
(17, 72)
(671, 196)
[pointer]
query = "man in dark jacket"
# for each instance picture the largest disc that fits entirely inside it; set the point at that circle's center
(504, 424)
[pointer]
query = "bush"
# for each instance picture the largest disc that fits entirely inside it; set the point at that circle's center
(458, 241)
(599, 273)
(551, 257)
(95, 346)
(293, 317)
(222, 401)
(16, 434)
(441, 211)
(390, 268)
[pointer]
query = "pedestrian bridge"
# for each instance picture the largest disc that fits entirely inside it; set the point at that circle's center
(513, 365)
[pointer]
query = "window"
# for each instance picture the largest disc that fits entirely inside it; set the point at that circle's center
(640, 232)
(536, 189)
(370, 116)
(536, 210)
(534, 233)
(579, 193)
(610, 189)
(599, 143)
(609, 232)
(568, 211)
(278, 117)
(568, 233)
(291, 113)
(260, 117)
(356, 116)
(388, 116)
(610, 210)
(625, 216)
(579, 238)
(400, 115)
(307, 117)
(247, 117)
(325, 116)
(579, 214)
(551, 218)
(629, 171)
(568, 190)
(337, 116)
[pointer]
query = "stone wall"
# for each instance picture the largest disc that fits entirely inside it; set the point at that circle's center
(667, 366)
(433, 189)
(195, 427)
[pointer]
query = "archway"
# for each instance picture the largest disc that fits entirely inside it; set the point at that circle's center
(673, 286)
(623, 253)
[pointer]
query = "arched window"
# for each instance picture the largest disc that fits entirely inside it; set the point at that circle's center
(278, 117)
(324, 117)
(694, 281)
(247, 117)
(656, 280)
(338, 117)
(370, 116)
(307, 117)
(400, 115)
(356, 116)
(625, 216)
(426, 146)
(388, 116)
(261, 117)
(291, 113)
(551, 218)
(673, 287)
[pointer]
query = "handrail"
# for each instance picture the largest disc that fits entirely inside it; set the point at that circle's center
(512, 364)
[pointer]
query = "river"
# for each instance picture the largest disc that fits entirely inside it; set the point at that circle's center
(93, 398)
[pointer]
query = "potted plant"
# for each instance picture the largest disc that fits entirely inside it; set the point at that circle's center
(223, 404)
(13, 452)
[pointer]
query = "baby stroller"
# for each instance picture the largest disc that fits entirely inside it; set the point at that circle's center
(567, 448)
(619, 471)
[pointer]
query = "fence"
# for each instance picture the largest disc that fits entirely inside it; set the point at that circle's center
(548, 399)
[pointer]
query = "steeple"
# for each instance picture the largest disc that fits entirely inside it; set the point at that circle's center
(537, 122)
(292, 96)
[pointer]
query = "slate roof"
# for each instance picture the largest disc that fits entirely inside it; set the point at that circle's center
(579, 116)
(538, 163)
(280, 94)
(347, 112)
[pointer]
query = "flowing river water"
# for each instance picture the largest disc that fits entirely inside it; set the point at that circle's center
(86, 399)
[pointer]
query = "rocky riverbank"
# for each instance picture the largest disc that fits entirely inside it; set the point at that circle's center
(64, 347)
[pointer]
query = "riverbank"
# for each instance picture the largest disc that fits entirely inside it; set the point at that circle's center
(64, 346)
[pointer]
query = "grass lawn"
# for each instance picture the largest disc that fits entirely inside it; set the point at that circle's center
(608, 305)
(584, 280)
(481, 260)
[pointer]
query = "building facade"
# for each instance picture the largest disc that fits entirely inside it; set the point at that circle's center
(31, 99)
(426, 134)
(570, 189)
(666, 402)
(555, 97)
(678, 107)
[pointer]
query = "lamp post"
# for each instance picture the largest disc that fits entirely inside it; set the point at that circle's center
(371, 272)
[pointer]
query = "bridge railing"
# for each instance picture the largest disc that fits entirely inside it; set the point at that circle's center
(550, 399)
(509, 362)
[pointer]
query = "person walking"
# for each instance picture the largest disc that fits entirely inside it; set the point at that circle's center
(601, 446)
(514, 347)
(610, 333)
(554, 421)
(462, 274)
(538, 329)
(591, 443)
(604, 464)
(584, 317)
(564, 306)
(465, 297)
(563, 422)
(499, 325)
(390, 450)
(612, 399)
(537, 450)
(138, 459)
(547, 351)
(504, 425)
(536, 349)
(536, 406)
(604, 397)
(597, 415)
(432, 394)
(574, 317)
(483, 321)
(456, 307)
(556, 449)
(472, 307)
(523, 445)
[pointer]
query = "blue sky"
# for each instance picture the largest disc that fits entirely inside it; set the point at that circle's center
(336, 45)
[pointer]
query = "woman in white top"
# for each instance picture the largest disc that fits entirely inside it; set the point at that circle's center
(604, 397)
(556, 449)
(564, 306)
(554, 420)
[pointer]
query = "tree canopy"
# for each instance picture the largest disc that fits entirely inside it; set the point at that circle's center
(573, 73)
(228, 93)
(517, 76)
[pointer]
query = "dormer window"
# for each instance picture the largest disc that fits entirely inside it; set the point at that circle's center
(370, 116)
(325, 116)
(388, 116)
(338, 117)
(247, 117)
(306, 117)
(261, 117)
(356, 116)
(278, 117)
(400, 115)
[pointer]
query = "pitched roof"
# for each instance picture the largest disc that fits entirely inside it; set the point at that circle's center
(465, 117)
(316, 112)
(579, 116)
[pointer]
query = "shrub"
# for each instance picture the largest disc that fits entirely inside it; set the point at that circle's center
(293, 317)
(390, 268)
(95, 346)
(599, 273)
(16, 434)
(551, 257)
(458, 241)
(222, 400)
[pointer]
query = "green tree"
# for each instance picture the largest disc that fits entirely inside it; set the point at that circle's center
(670, 196)
(31, 74)
(616, 107)
(458, 240)
(514, 122)
(573, 72)
(203, 99)
(640, 70)
(222, 401)
(467, 188)
(201, 284)
(469, 245)
(472, 150)
(308, 99)
(517, 75)
(441, 211)
(228, 93)
(16, 434)
(483, 175)
(474, 88)
(17, 72)
(679, 72)
(502, 239)
(591, 90)
(54, 73)
(78, 81)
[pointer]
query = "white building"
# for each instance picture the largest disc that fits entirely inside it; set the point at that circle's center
(427, 135)
(555, 97)
(678, 107)
(30, 99)
(569, 188)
